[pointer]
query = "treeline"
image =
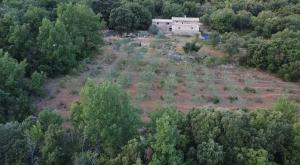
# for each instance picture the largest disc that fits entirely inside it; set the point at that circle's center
(107, 130)
(52, 36)
(268, 30)
(40, 38)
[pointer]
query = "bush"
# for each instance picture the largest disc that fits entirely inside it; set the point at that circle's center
(214, 38)
(214, 100)
(232, 43)
(37, 82)
(290, 71)
(249, 90)
(153, 29)
(191, 47)
(233, 98)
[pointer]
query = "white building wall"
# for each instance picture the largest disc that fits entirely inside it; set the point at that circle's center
(178, 25)
(163, 25)
(185, 28)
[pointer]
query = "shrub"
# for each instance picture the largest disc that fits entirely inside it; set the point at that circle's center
(290, 71)
(210, 61)
(233, 98)
(214, 38)
(249, 90)
(153, 29)
(214, 100)
(37, 82)
(191, 47)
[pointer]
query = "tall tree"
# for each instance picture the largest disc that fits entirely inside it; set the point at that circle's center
(105, 115)
(104, 7)
(14, 97)
(83, 26)
(122, 19)
(167, 139)
(56, 47)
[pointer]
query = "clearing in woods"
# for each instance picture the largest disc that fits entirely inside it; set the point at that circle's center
(155, 72)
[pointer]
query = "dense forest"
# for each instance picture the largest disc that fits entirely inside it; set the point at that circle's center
(48, 38)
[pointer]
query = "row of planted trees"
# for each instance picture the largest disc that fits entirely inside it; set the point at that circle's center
(106, 130)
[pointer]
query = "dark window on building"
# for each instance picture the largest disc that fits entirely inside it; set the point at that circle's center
(170, 29)
(157, 23)
(168, 23)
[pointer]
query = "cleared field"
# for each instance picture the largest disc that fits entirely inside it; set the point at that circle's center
(144, 67)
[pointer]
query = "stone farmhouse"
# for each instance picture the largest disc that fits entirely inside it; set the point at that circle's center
(179, 25)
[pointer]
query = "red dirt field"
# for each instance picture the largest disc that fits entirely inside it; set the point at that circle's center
(224, 81)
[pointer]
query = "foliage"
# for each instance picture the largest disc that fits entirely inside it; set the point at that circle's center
(269, 55)
(214, 38)
(153, 29)
(243, 20)
(54, 43)
(37, 82)
(105, 108)
(130, 16)
(251, 156)
(191, 47)
(14, 96)
(167, 138)
(50, 36)
(249, 90)
(104, 7)
(232, 43)
(171, 10)
(122, 19)
(210, 153)
(83, 27)
(223, 20)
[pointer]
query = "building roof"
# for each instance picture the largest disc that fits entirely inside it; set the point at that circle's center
(161, 20)
(185, 19)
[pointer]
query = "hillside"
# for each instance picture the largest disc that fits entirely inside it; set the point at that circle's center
(90, 82)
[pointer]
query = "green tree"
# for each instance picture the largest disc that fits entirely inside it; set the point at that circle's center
(210, 153)
(82, 26)
(13, 143)
(171, 10)
(214, 38)
(130, 154)
(142, 16)
(104, 7)
(191, 47)
(191, 8)
(232, 43)
(105, 116)
(223, 20)
(243, 20)
(48, 117)
(122, 19)
(56, 48)
(37, 82)
(296, 130)
(52, 150)
(250, 156)
(34, 139)
(167, 139)
(14, 97)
